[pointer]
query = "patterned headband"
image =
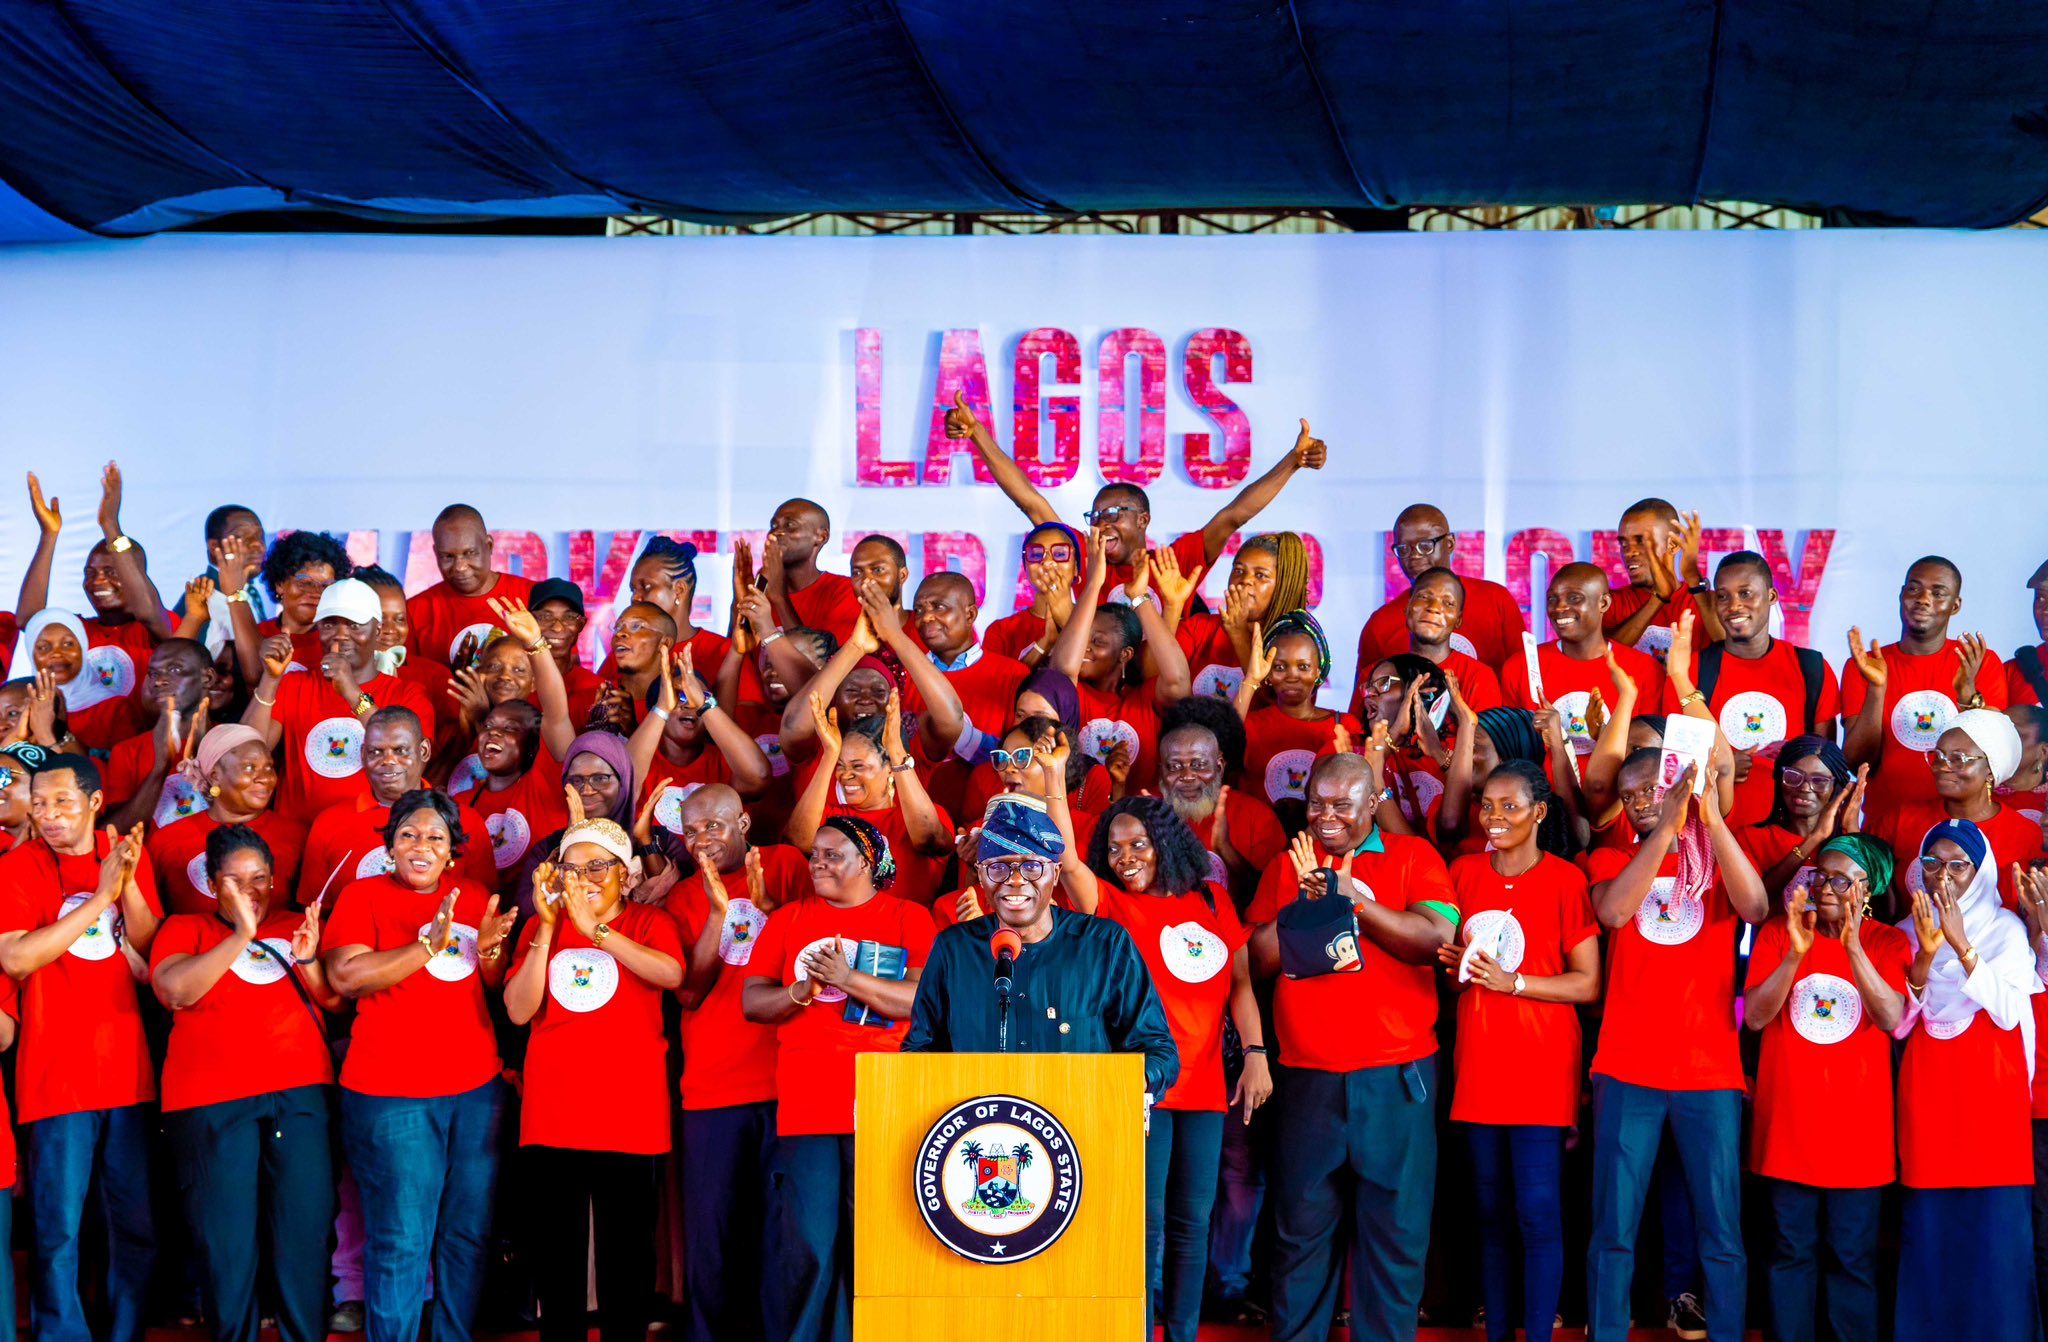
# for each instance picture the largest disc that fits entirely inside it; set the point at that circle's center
(874, 849)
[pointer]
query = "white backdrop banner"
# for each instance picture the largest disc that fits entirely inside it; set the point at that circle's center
(1844, 402)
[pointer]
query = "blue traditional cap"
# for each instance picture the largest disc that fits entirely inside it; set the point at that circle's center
(1016, 825)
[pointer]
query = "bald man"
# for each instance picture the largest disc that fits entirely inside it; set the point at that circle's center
(1436, 611)
(728, 1063)
(1423, 540)
(1574, 664)
(1355, 1088)
(1661, 551)
(456, 611)
(801, 595)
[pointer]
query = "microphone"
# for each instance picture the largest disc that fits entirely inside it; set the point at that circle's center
(1005, 945)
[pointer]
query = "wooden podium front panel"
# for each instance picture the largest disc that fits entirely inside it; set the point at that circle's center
(1091, 1280)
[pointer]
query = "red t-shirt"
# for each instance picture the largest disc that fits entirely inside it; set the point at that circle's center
(441, 616)
(323, 739)
(1491, 630)
(306, 650)
(1822, 1058)
(1012, 634)
(429, 1034)
(2018, 689)
(10, 1002)
(728, 1059)
(1766, 846)
(1655, 640)
(178, 855)
(106, 724)
(1518, 1060)
(1187, 946)
(515, 817)
(987, 687)
(1131, 714)
(1964, 1110)
(1212, 657)
(917, 876)
(708, 767)
(346, 844)
(1254, 832)
(597, 1045)
(81, 1026)
(1919, 705)
(1386, 1012)
(829, 603)
(1418, 783)
(1570, 682)
(128, 765)
(817, 1046)
(1279, 750)
(1761, 703)
(1669, 1017)
(250, 1033)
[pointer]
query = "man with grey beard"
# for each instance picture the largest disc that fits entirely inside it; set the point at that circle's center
(1191, 770)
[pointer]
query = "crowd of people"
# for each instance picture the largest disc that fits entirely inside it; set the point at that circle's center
(399, 953)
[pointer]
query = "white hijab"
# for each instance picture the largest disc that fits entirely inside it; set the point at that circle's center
(2000, 939)
(86, 688)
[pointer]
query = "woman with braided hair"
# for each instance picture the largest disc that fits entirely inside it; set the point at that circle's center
(1268, 578)
(1527, 955)
(837, 972)
(1484, 742)
(1283, 739)
(665, 575)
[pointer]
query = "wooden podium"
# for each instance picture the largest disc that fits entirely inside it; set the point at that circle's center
(1087, 1283)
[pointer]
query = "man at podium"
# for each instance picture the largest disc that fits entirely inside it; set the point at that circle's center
(1075, 984)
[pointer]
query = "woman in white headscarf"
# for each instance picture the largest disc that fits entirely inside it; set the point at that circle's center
(1979, 750)
(1965, 1133)
(95, 689)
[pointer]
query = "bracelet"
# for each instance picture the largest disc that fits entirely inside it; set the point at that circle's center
(1259, 1049)
(240, 594)
(1969, 959)
(659, 712)
(1975, 701)
(493, 953)
(771, 637)
(1689, 700)
(710, 702)
(365, 704)
(426, 945)
(261, 700)
(603, 931)
(120, 545)
(535, 648)
(309, 960)
(794, 1000)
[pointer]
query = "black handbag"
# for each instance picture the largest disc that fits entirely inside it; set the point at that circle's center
(1318, 934)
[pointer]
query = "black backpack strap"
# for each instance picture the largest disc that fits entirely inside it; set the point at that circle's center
(1709, 672)
(2029, 659)
(1813, 669)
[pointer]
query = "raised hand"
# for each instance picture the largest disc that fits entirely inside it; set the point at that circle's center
(519, 622)
(1308, 863)
(1377, 743)
(237, 561)
(1057, 592)
(1680, 654)
(306, 936)
(1467, 716)
(277, 655)
(1970, 656)
(441, 932)
(1596, 710)
(472, 701)
(864, 636)
(198, 592)
(827, 720)
(714, 883)
(1119, 763)
(241, 910)
(1140, 582)
(168, 738)
(1801, 918)
(110, 499)
(1309, 451)
(1948, 908)
(39, 723)
(547, 893)
(1173, 587)
(575, 803)
(1237, 610)
(1678, 798)
(1051, 755)
(1259, 658)
(1926, 923)
(1340, 738)
(967, 907)
(757, 882)
(2030, 888)
(892, 728)
(643, 820)
(496, 928)
(742, 568)
(466, 651)
(1098, 546)
(1549, 723)
(884, 617)
(686, 679)
(1870, 662)
(1689, 541)
(772, 574)
(961, 421)
(48, 518)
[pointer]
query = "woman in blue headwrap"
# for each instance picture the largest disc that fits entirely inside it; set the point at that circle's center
(1966, 1155)
(1826, 986)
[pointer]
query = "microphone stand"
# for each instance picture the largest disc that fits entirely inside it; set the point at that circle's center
(1003, 1017)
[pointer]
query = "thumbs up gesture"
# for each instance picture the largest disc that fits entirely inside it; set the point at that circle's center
(1309, 450)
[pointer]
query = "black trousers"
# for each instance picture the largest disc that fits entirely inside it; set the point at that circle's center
(259, 1163)
(568, 1190)
(730, 1232)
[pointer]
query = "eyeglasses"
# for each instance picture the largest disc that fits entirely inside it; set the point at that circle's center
(1958, 871)
(1061, 553)
(1003, 870)
(582, 781)
(1798, 780)
(1095, 517)
(1836, 885)
(1955, 760)
(1384, 685)
(1011, 759)
(1417, 549)
(592, 871)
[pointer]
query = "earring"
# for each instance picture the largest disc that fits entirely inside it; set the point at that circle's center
(213, 791)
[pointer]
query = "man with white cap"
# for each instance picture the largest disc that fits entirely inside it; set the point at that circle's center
(320, 716)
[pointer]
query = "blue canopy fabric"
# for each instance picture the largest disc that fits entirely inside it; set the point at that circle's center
(127, 116)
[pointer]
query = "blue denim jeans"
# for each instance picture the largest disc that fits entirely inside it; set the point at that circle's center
(1182, 1153)
(68, 1156)
(731, 1264)
(1628, 1125)
(1240, 1194)
(428, 1170)
(1517, 1179)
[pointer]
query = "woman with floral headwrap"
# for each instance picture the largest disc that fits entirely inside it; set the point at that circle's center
(1965, 1138)
(233, 768)
(96, 699)
(1826, 987)
(1282, 740)
(589, 977)
(837, 971)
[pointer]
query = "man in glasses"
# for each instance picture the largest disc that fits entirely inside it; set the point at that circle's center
(1761, 690)
(1422, 539)
(1079, 985)
(1127, 509)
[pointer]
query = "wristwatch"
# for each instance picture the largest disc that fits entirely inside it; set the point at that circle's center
(1520, 983)
(365, 704)
(904, 765)
(120, 545)
(1698, 589)
(240, 594)
(604, 930)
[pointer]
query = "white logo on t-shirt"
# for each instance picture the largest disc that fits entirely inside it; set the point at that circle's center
(480, 631)
(1947, 1029)
(195, 872)
(1571, 709)
(1218, 681)
(1499, 933)
(582, 978)
(467, 775)
(1825, 1009)
(668, 812)
(743, 924)
(181, 797)
(334, 748)
(1193, 953)
(1919, 718)
(264, 961)
(826, 992)
(458, 960)
(376, 862)
(1667, 919)
(100, 940)
(110, 668)
(1752, 719)
(1287, 774)
(510, 835)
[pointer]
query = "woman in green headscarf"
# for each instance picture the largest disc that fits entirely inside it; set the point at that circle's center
(1825, 990)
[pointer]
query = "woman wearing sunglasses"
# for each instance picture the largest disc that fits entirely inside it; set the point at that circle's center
(1817, 796)
(1980, 750)
(1826, 987)
(589, 976)
(1965, 1137)
(1052, 564)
